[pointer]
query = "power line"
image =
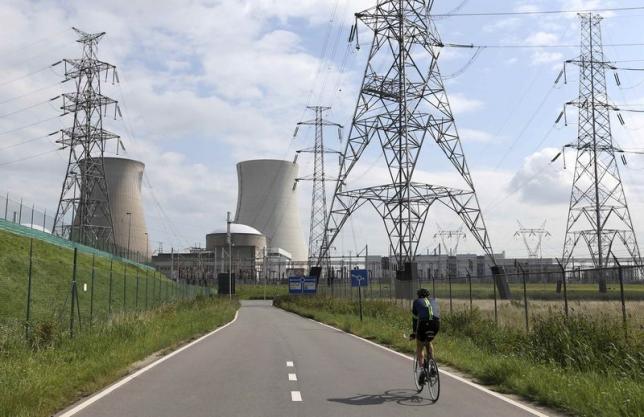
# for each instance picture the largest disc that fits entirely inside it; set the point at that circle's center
(29, 93)
(6, 132)
(24, 142)
(537, 12)
(28, 158)
(29, 74)
(29, 107)
(532, 46)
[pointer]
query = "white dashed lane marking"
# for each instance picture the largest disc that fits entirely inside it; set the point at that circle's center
(296, 396)
(289, 364)
(292, 377)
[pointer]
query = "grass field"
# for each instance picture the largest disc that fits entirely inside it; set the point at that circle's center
(485, 290)
(126, 288)
(38, 382)
(581, 365)
(259, 291)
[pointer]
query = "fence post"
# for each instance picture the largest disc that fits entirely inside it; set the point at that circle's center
(525, 293)
(91, 293)
(33, 208)
(6, 206)
(20, 213)
(469, 278)
(124, 287)
(73, 295)
(109, 298)
(154, 290)
(147, 278)
(565, 287)
(136, 302)
(449, 279)
(28, 322)
(620, 271)
(496, 314)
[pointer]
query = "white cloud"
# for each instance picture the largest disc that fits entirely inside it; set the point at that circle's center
(463, 104)
(475, 135)
(539, 181)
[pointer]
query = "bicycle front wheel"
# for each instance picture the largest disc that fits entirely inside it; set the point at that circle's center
(433, 381)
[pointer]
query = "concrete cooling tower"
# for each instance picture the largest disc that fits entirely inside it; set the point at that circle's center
(267, 201)
(124, 178)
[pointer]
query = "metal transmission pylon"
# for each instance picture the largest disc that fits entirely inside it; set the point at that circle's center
(532, 239)
(319, 209)
(598, 211)
(401, 101)
(450, 239)
(84, 196)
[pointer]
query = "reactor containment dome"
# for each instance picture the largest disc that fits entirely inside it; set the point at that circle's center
(268, 201)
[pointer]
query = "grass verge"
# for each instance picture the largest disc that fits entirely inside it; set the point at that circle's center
(39, 381)
(259, 291)
(581, 366)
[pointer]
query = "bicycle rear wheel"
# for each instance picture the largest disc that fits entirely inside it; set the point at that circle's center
(433, 381)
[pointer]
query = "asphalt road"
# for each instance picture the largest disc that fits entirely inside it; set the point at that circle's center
(271, 363)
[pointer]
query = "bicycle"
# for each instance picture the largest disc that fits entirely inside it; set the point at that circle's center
(427, 375)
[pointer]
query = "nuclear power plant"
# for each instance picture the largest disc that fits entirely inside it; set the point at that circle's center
(268, 201)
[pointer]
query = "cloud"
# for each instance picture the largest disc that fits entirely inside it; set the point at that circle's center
(462, 104)
(475, 135)
(540, 182)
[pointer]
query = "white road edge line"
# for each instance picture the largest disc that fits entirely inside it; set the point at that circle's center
(289, 364)
(296, 396)
(292, 377)
(456, 377)
(91, 400)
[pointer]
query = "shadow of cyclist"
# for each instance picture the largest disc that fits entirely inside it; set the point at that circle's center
(405, 397)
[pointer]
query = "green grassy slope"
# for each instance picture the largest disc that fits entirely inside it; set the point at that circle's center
(132, 287)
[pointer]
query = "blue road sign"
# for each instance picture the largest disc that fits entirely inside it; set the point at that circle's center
(359, 278)
(295, 285)
(302, 285)
(309, 285)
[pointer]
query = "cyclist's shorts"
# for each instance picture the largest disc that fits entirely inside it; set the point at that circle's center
(427, 330)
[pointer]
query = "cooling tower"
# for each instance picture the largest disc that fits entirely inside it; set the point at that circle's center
(267, 201)
(124, 178)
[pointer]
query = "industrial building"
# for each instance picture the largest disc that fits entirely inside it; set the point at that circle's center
(268, 201)
(249, 257)
(124, 180)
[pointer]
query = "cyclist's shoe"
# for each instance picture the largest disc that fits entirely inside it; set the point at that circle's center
(422, 378)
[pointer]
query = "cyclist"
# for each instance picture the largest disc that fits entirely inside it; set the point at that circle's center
(425, 325)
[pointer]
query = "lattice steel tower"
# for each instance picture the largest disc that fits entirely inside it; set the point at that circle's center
(84, 200)
(319, 208)
(450, 239)
(402, 101)
(532, 239)
(598, 211)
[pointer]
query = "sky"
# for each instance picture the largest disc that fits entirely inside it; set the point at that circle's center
(205, 84)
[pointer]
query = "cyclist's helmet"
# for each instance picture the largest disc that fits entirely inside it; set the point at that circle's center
(422, 293)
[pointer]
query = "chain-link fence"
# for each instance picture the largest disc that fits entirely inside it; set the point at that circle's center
(44, 287)
(20, 216)
(616, 293)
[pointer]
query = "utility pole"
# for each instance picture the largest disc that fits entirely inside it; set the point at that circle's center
(319, 210)
(84, 196)
(532, 239)
(402, 102)
(598, 212)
